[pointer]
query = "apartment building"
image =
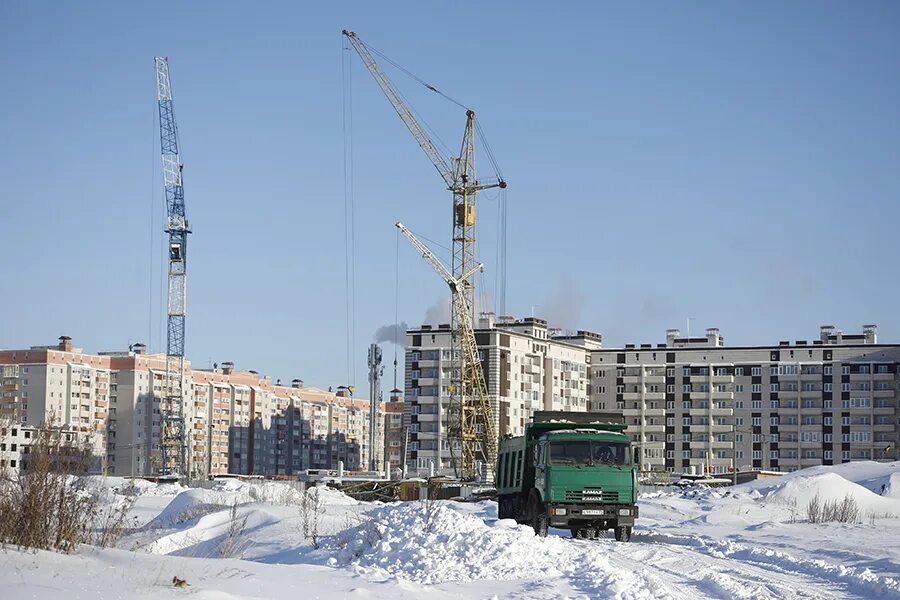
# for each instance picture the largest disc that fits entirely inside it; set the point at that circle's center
(527, 367)
(235, 421)
(695, 403)
(17, 443)
(394, 432)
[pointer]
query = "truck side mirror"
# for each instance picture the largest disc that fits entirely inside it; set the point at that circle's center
(635, 457)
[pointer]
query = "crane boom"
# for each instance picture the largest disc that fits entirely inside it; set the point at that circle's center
(171, 442)
(476, 408)
(403, 110)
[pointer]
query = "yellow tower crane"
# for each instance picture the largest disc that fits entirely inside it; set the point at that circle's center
(458, 172)
(476, 405)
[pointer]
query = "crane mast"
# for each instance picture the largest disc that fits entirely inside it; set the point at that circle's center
(172, 442)
(458, 173)
(477, 409)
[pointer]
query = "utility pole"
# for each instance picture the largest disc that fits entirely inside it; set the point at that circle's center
(375, 372)
(172, 410)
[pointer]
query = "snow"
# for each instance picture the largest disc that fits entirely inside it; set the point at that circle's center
(748, 541)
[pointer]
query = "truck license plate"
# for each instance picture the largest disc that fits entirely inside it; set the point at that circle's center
(591, 511)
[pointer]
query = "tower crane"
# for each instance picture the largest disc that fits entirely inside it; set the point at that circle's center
(458, 174)
(172, 442)
(476, 406)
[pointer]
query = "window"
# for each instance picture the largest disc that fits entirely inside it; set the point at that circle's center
(685, 420)
(739, 371)
(620, 389)
(739, 388)
(826, 420)
(670, 389)
(773, 420)
(739, 404)
(827, 438)
(845, 387)
(756, 371)
(756, 404)
(739, 454)
(845, 455)
(774, 404)
(774, 387)
(685, 454)
(826, 387)
(756, 388)
(757, 454)
(686, 372)
(845, 370)
(739, 438)
(827, 370)
(686, 388)
(757, 421)
(739, 420)
(828, 454)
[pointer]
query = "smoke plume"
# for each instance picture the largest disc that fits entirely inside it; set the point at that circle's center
(395, 333)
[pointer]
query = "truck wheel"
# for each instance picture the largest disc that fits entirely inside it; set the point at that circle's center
(623, 533)
(539, 521)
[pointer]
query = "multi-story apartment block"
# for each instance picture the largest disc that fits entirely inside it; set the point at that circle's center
(394, 432)
(695, 403)
(235, 421)
(527, 367)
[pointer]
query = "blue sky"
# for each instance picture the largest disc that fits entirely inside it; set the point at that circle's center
(732, 162)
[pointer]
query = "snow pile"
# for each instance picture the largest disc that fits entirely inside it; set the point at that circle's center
(892, 487)
(830, 486)
(214, 527)
(438, 544)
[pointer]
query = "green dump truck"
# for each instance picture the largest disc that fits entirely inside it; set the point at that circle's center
(576, 471)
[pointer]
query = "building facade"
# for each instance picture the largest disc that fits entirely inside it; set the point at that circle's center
(394, 432)
(695, 403)
(526, 366)
(236, 422)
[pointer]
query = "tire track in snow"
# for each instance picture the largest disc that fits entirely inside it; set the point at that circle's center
(860, 582)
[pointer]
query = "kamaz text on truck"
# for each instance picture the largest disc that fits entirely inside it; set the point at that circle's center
(570, 470)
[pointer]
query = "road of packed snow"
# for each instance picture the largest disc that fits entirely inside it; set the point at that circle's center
(750, 541)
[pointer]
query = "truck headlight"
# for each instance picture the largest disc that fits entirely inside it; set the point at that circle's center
(624, 512)
(558, 511)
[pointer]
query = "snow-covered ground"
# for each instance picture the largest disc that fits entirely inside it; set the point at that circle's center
(751, 541)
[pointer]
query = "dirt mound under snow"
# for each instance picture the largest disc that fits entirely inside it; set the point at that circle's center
(832, 487)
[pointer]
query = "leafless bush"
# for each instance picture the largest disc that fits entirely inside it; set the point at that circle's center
(48, 504)
(814, 509)
(114, 520)
(235, 542)
(833, 511)
(430, 504)
(311, 508)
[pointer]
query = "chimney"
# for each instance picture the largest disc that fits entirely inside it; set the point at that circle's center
(713, 337)
(65, 343)
(486, 321)
(871, 333)
(825, 332)
(227, 367)
(671, 336)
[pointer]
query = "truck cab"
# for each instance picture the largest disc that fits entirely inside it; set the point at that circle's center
(580, 476)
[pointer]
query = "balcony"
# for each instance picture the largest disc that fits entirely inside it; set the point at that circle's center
(654, 378)
(721, 412)
(654, 395)
(653, 428)
(631, 379)
(722, 379)
(723, 395)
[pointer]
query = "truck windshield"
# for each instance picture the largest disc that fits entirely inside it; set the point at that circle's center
(588, 453)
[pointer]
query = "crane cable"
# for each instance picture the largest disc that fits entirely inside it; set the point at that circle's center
(349, 212)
